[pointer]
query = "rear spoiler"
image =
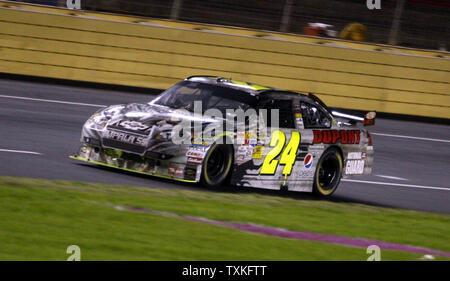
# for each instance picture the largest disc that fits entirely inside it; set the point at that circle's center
(368, 120)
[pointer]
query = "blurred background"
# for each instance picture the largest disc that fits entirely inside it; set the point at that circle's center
(409, 23)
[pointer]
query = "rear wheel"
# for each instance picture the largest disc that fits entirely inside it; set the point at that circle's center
(217, 163)
(328, 173)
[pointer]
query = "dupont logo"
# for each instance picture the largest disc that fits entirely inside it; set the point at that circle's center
(308, 161)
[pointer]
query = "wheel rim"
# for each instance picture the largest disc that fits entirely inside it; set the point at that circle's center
(328, 174)
(215, 164)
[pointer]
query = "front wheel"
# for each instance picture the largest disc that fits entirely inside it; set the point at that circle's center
(328, 173)
(217, 163)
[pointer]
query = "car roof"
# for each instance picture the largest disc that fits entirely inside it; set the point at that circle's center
(248, 87)
(256, 89)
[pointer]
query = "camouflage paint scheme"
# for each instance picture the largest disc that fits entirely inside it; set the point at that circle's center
(137, 137)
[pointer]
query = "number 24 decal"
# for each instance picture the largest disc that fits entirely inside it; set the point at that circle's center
(288, 156)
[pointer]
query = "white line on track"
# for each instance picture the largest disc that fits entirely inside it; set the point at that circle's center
(20, 151)
(391, 177)
(409, 137)
(53, 101)
(399, 184)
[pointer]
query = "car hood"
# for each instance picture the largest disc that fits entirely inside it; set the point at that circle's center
(142, 117)
(149, 112)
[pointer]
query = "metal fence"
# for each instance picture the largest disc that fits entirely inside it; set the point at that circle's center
(409, 23)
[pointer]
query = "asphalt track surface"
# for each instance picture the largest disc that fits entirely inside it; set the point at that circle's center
(40, 127)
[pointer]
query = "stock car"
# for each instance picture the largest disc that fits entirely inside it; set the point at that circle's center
(309, 149)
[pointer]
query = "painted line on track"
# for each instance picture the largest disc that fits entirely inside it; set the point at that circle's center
(53, 101)
(284, 233)
(409, 137)
(20, 151)
(399, 184)
(391, 177)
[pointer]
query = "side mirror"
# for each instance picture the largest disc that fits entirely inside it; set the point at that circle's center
(369, 118)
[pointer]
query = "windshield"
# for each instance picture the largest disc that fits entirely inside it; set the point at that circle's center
(184, 94)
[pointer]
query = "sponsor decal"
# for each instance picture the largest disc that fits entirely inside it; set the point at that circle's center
(124, 137)
(243, 154)
(299, 119)
(354, 155)
(195, 154)
(308, 161)
(258, 152)
(199, 147)
(354, 167)
(195, 161)
(240, 159)
(245, 150)
(246, 138)
(309, 173)
(336, 136)
(316, 148)
(176, 171)
(190, 172)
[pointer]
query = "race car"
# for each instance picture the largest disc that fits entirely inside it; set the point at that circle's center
(210, 130)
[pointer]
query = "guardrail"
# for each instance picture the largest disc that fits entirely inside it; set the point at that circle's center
(132, 51)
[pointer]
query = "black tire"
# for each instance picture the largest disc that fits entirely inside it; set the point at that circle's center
(217, 165)
(328, 173)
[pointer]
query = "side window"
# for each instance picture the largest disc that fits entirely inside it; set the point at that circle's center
(285, 117)
(313, 117)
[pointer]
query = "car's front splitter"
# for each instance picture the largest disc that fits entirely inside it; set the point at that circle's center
(146, 166)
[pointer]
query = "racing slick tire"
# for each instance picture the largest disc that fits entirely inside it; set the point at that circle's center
(217, 165)
(328, 173)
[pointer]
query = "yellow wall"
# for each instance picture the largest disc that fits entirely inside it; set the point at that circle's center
(109, 49)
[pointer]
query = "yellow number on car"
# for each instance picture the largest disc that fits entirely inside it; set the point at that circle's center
(290, 153)
(278, 140)
(269, 165)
